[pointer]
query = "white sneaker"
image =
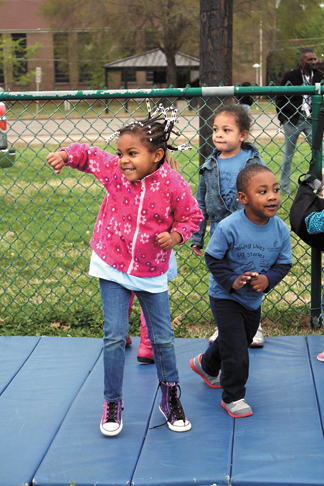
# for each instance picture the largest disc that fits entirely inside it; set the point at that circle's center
(213, 337)
(258, 340)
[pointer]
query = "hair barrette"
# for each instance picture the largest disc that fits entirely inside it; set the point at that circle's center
(175, 131)
(112, 136)
(181, 148)
(184, 146)
(166, 128)
(134, 122)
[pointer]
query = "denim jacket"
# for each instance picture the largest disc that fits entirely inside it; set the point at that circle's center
(208, 195)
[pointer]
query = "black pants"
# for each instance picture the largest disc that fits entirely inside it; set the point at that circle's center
(230, 351)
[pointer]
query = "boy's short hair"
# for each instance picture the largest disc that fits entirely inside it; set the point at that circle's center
(246, 174)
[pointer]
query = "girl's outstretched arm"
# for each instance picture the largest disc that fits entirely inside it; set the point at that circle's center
(90, 160)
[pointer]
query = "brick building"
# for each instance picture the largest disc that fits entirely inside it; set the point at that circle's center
(21, 20)
(57, 55)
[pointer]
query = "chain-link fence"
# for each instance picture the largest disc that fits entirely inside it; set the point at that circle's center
(47, 220)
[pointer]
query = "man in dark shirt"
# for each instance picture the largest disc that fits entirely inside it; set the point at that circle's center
(294, 112)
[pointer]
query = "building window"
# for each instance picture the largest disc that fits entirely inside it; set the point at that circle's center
(149, 77)
(128, 76)
(183, 78)
(159, 77)
(246, 52)
(61, 58)
(21, 67)
(84, 57)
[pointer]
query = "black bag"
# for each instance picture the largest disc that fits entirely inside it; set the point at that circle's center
(307, 199)
(306, 202)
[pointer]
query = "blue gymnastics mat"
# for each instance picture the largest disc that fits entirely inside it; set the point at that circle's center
(51, 404)
(34, 403)
(13, 354)
(283, 443)
(316, 346)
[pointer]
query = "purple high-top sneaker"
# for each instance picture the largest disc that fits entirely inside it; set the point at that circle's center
(171, 408)
(111, 422)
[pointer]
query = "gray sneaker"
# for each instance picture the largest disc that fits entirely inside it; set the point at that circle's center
(212, 381)
(238, 409)
(258, 340)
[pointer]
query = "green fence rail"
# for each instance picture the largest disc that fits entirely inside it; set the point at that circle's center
(47, 220)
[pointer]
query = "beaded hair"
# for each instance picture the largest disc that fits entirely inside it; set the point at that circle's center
(155, 130)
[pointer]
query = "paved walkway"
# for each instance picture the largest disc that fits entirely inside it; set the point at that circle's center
(95, 130)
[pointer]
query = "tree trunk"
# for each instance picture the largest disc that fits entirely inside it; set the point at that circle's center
(171, 73)
(216, 43)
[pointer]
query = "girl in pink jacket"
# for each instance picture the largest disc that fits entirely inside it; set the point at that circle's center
(147, 210)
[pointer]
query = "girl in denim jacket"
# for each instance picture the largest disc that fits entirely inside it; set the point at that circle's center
(147, 210)
(217, 194)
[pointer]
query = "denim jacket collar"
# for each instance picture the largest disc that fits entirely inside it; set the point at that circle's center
(212, 159)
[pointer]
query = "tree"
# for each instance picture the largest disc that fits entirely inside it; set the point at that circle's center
(294, 18)
(95, 46)
(216, 43)
(13, 56)
(295, 29)
(116, 28)
(255, 34)
(286, 26)
(170, 25)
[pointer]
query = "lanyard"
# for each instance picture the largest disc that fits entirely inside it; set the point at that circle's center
(305, 80)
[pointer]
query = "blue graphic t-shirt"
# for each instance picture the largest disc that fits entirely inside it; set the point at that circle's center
(248, 247)
(228, 172)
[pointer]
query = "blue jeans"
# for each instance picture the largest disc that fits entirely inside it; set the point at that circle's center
(292, 132)
(115, 302)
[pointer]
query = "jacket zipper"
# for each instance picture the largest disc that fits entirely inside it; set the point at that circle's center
(130, 268)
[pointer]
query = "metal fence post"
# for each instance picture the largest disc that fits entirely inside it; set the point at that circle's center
(316, 255)
(46, 220)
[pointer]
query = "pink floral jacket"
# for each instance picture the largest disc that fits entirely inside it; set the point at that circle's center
(134, 213)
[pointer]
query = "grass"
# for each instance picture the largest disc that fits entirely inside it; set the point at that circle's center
(46, 223)
(73, 109)
(266, 106)
(27, 110)
(45, 109)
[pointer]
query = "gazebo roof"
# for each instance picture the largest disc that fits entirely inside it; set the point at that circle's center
(152, 60)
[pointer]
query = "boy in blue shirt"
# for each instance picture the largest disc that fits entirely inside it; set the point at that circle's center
(248, 254)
